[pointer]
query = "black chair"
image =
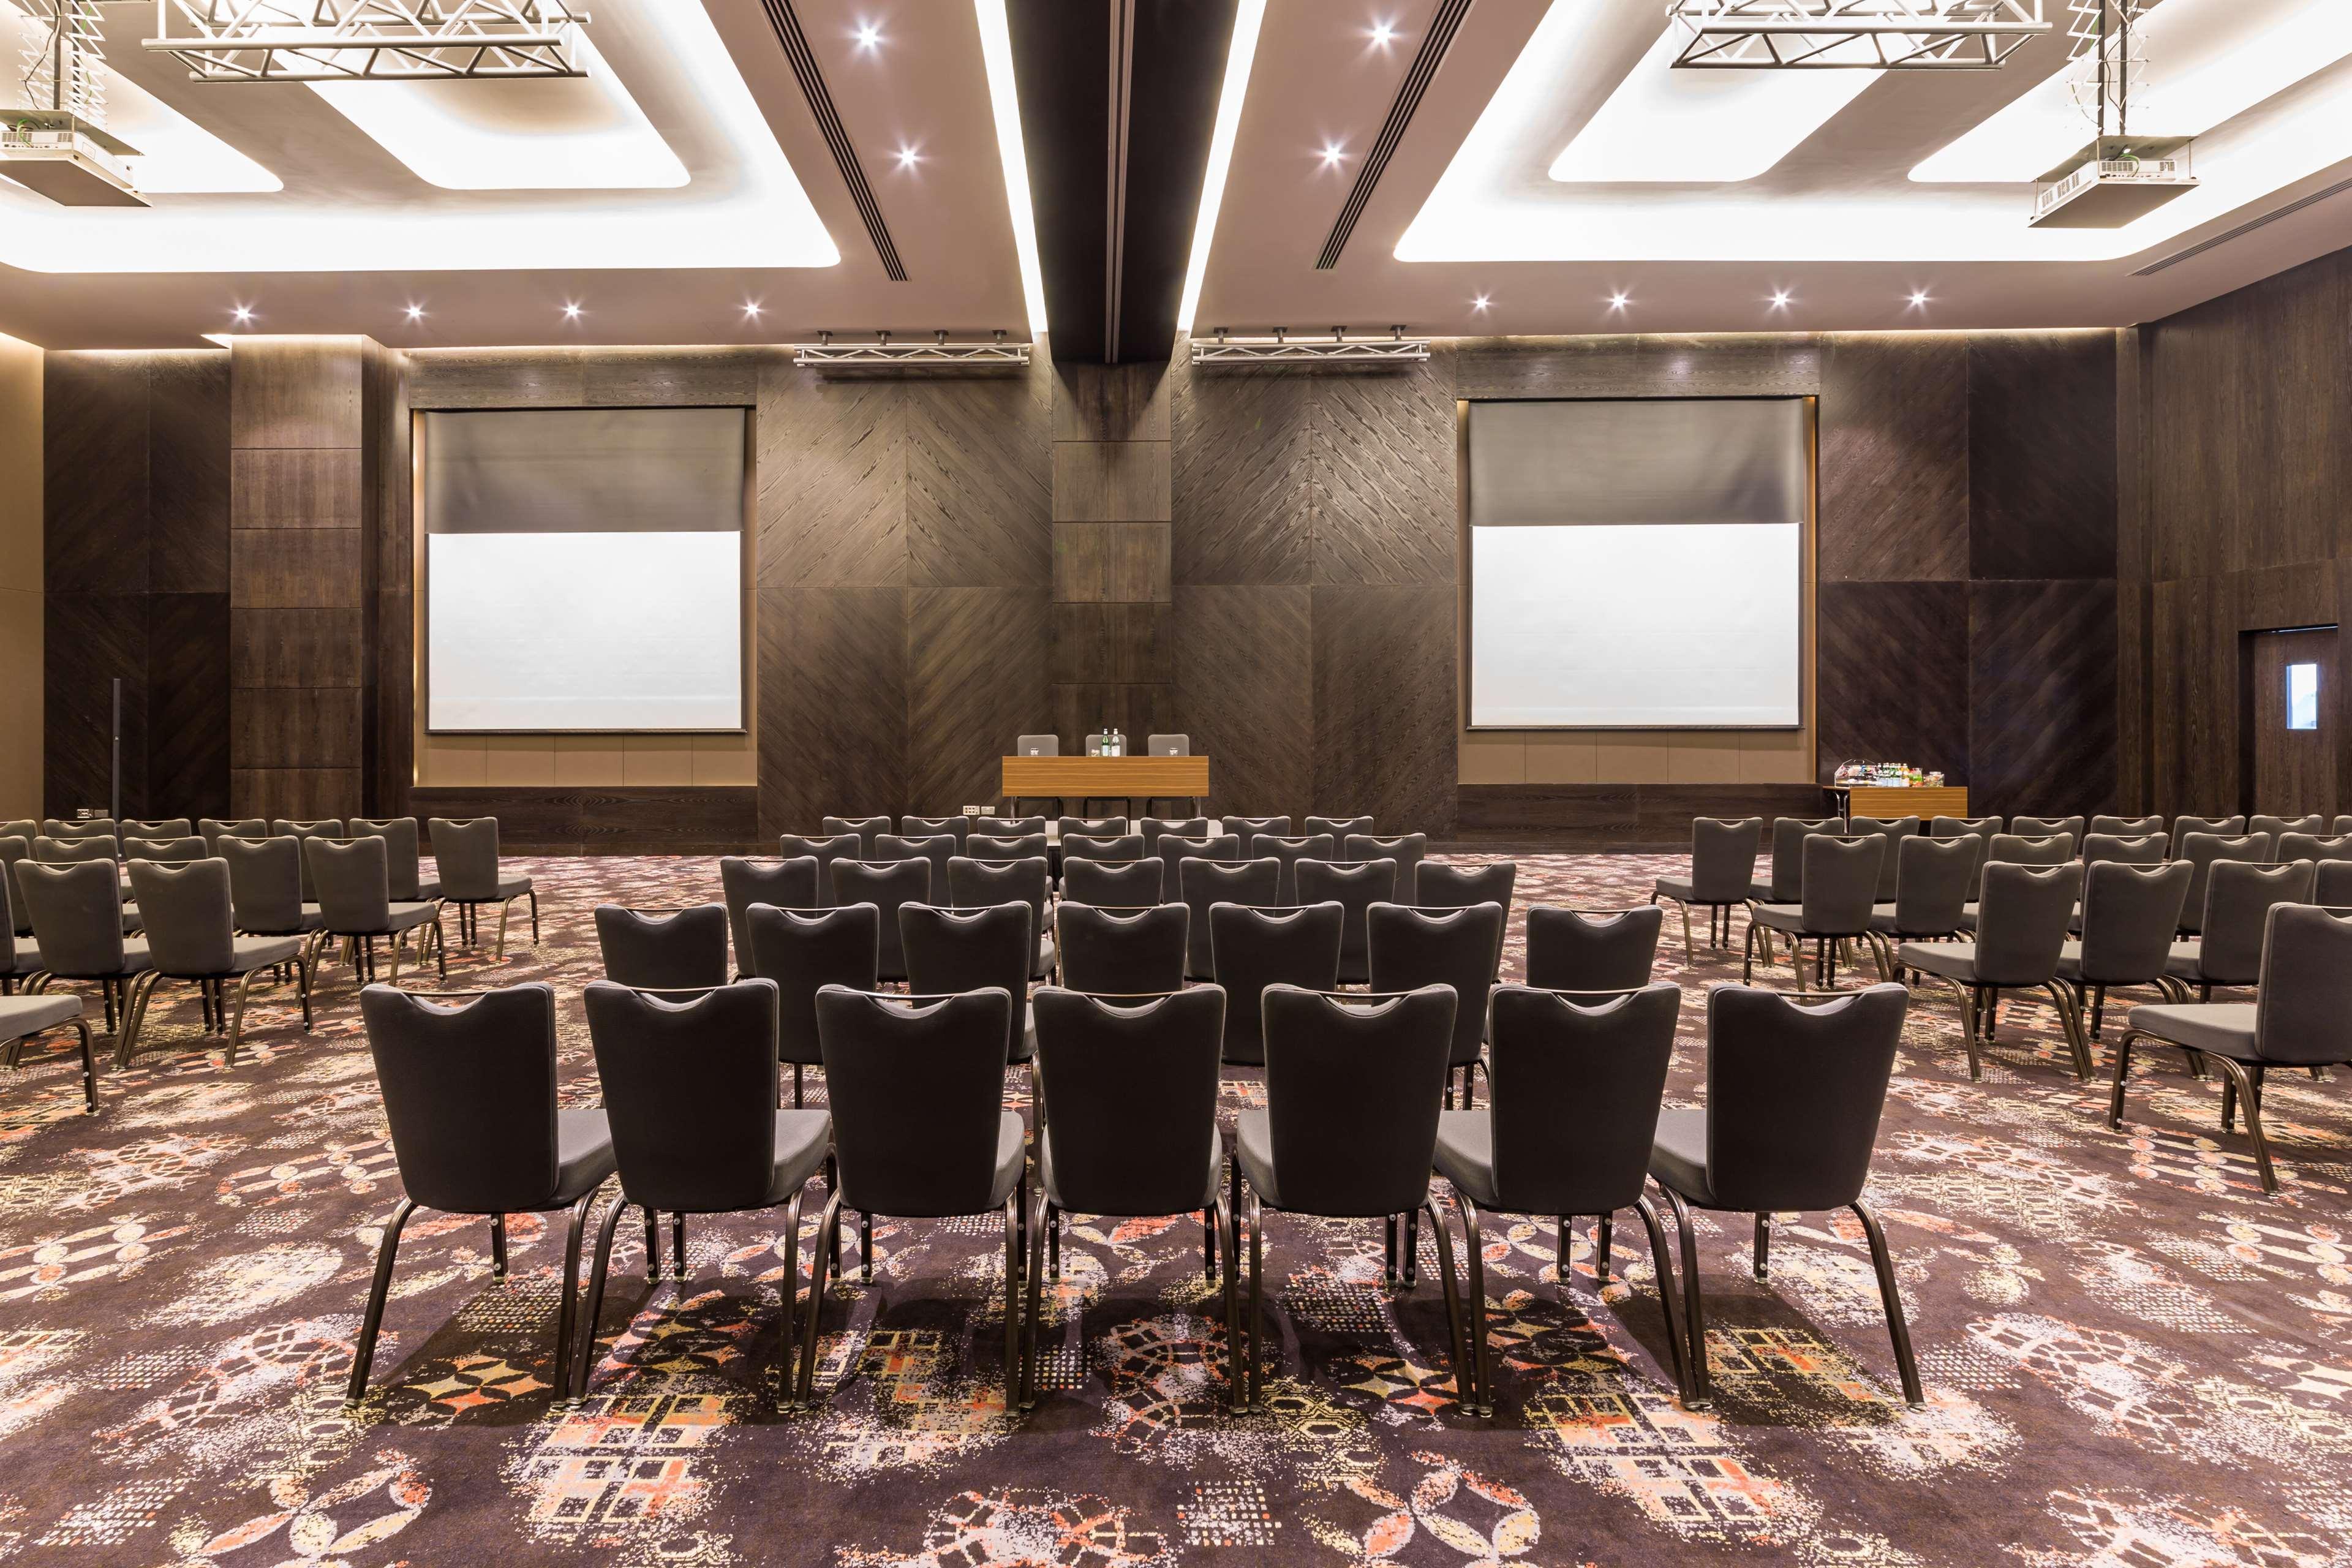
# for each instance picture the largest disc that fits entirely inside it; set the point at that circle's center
(2218, 826)
(1115, 884)
(869, 831)
(402, 858)
(1936, 879)
(1437, 886)
(888, 885)
(1337, 826)
(1722, 872)
(1094, 827)
(1106, 1151)
(1355, 886)
(466, 859)
(76, 915)
(2300, 1017)
(469, 1094)
(1174, 851)
(70, 827)
(78, 850)
(663, 949)
(1783, 881)
(1577, 1088)
(303, 832)
(190, 932)
(2129, 915)
(1133, 952)
(802, 951)
(1349, 1128)
(355, 904)
(919, 1128)
(1794, 1091)
(166, 851)
(975, 884)
(1247, 828)
(1290, 851)
(264, 890)
(824, 851)
(2203, 851)
(20, 955)
(790, 884)
(1001, 846)
(1100, 846)
(939, 848)
(1838, 894)
(690, 1087)
(1155, 828)
(2128, 826)
(1407, 849)
(1592, 950)
(1462, 948)
(1003, 828)
(2020, 937)
(2331, 884)
(24, 1017)
(1254, 948)
(2238, 902)
(955, 950)
(1255, 884)
(1894, 831)
(2143, 850)
(958, 826)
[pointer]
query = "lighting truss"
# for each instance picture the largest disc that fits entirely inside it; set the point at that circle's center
(1338, 349)
(1873, 35)
(64, 57)
(370, 40)
(883, 352)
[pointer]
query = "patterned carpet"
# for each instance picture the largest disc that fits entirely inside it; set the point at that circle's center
(2132, 1357)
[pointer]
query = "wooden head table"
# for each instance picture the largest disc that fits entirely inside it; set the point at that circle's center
(1888, 802)
(1131, 779)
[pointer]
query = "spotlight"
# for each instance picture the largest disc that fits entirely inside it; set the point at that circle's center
(869, 34)
(1382, 33)
(417, 312)
(909, 157)
(1332, 153)
(1481, 302)
(1779, 299)
(1918, 297)
(751, 309)
(570, 310)
(1617, 301)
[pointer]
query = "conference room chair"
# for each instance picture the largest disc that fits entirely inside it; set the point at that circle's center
(78, 826)
(2275, 828)
(691, 1092)
(662, 950)
(1438, 886)
(939, 848)
(24, 1018)
(1119, 847)
(77, 914)
(975, 884)
(265, 885)
(2301, 1016)
(326, 828)
(469, 1087)
(2125, 849)
(1204, 884)
(2129, 915)
(1722, 871)
(466, 855)
(20, 955)
(2018, 849)
(356, 905)
(802, 951)
(997, 848)
(1290, 850)
(1348, 1130)
(1155, 828)
(1407, 849)
(2203, 851)
(1093, 828)
(1115, 884)
(1838, 894)
(1004, 827)
(1107, 1151)
(191, 934)
(213, 829)
(1459, 947)
(954, 951)
(50, 850)
(25, 829)
(1795, 1087)
(1247, 828)
(1894, 831)
(919, 1129)
(1175, 851)
(1034, 746)
(1254, 948)
(1355, 886)
(158, 827)
(1592, 951)
(888, 885)
(1937, 878)
(2047, 826)
(1130, 952)
(2312, 847)
(1963, 826)
(1170, 746)
(402, 856)
(958, 826)
(1339, 827)
(869, 830)
(824, 849)
(187, 846)
(2342, 825)
(2129, 827)
(1578, 1086)
(791, 883)
(2020, 935)
(2239, 897)
(2332, 884)
(2222, 827)
(1783, 879)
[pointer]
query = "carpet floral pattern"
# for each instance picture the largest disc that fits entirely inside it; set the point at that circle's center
(2133, 1357)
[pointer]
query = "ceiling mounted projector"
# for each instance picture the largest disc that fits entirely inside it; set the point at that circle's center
(66, 159)
(2113, 181)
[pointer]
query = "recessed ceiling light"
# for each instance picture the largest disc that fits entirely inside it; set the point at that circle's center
(1617, 302)
(1481, 302)
(752, 308)
(243, 312)
(868, 34)
(909, 157)
(1918, 297)
(1779, 299)
(417, 312)
(1383, 32)
(570, 310)
(1332, 153)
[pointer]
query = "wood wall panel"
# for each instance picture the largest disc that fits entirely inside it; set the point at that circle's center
(297, 727)
(669, 377)
(1111, 562)
(188, 705)
(496, 378)
(298, 794)
(2041, 680)
(291, 568)
(2042, 455)
(1111, 403)
(90, 640)
(1890, 673)
(1242, 491)
(1894, 475)
(296, 392)
(296, 647)
(1138, 712)
(94, 473)
(1758, 365)
(1385, 705)
(1245, 687)
(975, 679)
(832, 480)
(1382, 457)
(187, 473)
(980, 480)
(832, 705)
(1120, 644)
(1111, 481)
(296, 487)
(612, 821)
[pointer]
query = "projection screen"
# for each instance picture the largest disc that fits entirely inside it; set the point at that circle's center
(1638, 565)
(583, 568)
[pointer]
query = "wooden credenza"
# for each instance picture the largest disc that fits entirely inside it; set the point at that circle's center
(1922, 802)
(1106, 778)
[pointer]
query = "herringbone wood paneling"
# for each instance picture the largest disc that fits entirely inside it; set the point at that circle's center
(1241, 482)
(187, 473)
(1245, 690)
(1893, 476)
(2042, 697)
(1382, 456)
(833, 704)
(188, 704)
(832, 480)
(1891, 675)
(89, 641)
(2042, 455)
(975, 679)
(94, 473)
(1137, 712)
(1119, 644)
(1385, 706)
(980, 478)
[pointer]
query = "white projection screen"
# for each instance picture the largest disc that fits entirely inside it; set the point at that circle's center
(583, 569)
(1639, 564)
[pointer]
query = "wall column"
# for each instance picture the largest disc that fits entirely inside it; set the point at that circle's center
(1113, 660)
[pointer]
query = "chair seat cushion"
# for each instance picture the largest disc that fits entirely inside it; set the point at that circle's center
(261, 952)
(27, 955)
(1045, 956)
(513, 886)
(1779, 917)
(1679, 1154)
(1254, 1147)
(2225, 1029)
(428, 887)
(1952, 960)
(802, 1137)
(2187, 960)
(1882, 919)
(584, 1155)
(22, 1015)
(1465, 1154)
(1761, 893)
(1968, 916)
(1011, 1155)
(1054, 1190)
(1025, 1048)
(1675, 888)
(2070, 967)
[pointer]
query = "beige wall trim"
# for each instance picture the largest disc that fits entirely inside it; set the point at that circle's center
(22, 605)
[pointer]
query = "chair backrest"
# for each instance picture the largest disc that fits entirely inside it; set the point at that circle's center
(1578, 1081)
(1352, 1089)
(1355, 886)
(939, 848)
(2129, 915)
(1339, 827)
(1568, 950)
(1120, 846)
(1243, 827)
(2142, 849)
(1123, 952)
(1894, 831)
(689, 1092)
(1155, 828)
(2019, 850)
(1024, 879)
(1290, 850)
(1004, 827)
(2312, 847)
(824, 849)
(1407, 849)
(1091, 827)
(1786, 879)
(2303, 1012)
(805, 951)
(24, 827)
(2239, 898)
(1723, 857)
(2219, 826)
(2045, 827)
(303, 832)
(917, 1090)
(2128, 826)
(468, 1090)
(1438, 886)
(950, 951)
(353, 889)
(1839, 885)
(1963, 826)
(158, 827)
(1794, 1090)
(886, 885)
(2332, 885)
(1934, 880)
(1001, 846)
(77, 827)
(11, 921)
(1458, 947)
(77, 914)
(265, 883)
(1253, 884)
(2275, 828)
(465, 856)
(2022, 919)
(2203, 851)
(1114, 884)
(215, 829)
(791, 884)
(1115, 1152)
(869, 829)
(663, 949)
(53, 851)
(401, 853)
(1253, 948)
(1167, 745)
(185, 913)
(1174, 850)
(959, 827)
(189, 846)
(1036, 746)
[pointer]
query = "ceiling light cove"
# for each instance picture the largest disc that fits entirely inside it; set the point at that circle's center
(1005, 107)
(1249, 17)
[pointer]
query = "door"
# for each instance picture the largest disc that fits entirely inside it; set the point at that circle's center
(2290, 722)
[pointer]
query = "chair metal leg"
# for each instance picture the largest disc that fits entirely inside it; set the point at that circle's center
(1748, 954)
(500, 954)
(1689, 956)
(1662, 1264)
(399, 942)
(88, 1070)
(1603, 1236)
(302, 988)
(497, 1246)
(440, 944)
(2234, 1075)
(1254, 1355)
(134, 1015)
(1474, 1377)
(677, 1246)
(1763, 1246)
(1700, 1396)
(1209, 1245)
(2122, 1071)
(1559, 1259)
(865, 1248)
(372, 1320)
(575, 1370)
(829, 1228)
(788, 1337)
(1409, 1265)
(2070, 1018)
(1033, 1278)
(1897, 1328)
(1227, 1244)
(652, 1248)
(237, 1015)
(533, 895)
(1971, 1004)
(1015, 1374)
(1466, 1380)
(2098, 1008)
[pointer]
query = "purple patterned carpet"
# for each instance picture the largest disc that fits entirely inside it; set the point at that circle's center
(2133, 1357)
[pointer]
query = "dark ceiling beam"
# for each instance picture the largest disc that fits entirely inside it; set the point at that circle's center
(1119, 99)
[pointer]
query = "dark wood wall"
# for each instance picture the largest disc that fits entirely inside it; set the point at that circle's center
(2236, 443)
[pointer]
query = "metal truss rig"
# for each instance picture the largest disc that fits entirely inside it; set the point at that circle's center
(1336, 349)
(1872, 35)
(370, 40)
(883, 352)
